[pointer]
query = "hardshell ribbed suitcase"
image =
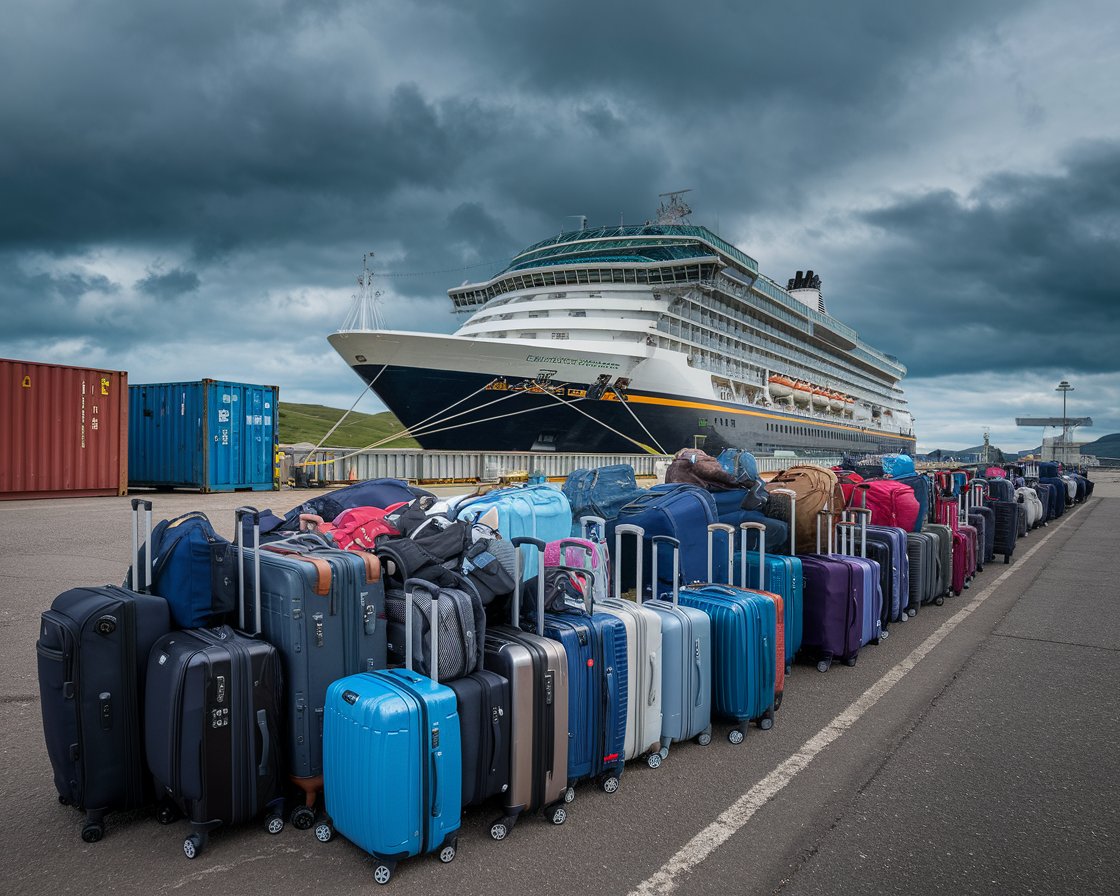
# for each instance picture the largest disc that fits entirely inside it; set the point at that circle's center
(643, 660)
(923, 555)
(595, 647)
(530, 511)
(944, 537)
(894, 540)
(92, 660)
(537, 670)
(731, 568)
(686, 659)
(1006, 527)
(324, 611)
(392, 762)
(213, 710)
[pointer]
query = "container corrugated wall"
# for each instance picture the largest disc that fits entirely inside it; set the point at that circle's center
(63, 431)
(211, 435)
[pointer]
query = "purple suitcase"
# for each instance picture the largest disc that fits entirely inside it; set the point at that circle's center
(833, 607)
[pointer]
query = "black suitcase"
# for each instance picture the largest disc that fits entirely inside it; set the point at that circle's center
(92, 654)
(483, 700)
(979, 522)
(212, 730)
(989, 518)
(1006, 527)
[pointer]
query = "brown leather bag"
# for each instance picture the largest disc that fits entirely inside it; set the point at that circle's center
(817, 488)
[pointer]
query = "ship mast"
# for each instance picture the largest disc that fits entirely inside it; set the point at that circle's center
(673, 209)
(365, 307)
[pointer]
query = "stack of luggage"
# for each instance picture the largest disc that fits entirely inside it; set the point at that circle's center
(377, 661)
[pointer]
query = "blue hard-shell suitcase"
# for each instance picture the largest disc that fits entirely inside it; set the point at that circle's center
(392, 761)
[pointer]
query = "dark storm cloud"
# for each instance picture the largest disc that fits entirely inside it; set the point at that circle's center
(169, 285)
(1021, 272)
(242, 158)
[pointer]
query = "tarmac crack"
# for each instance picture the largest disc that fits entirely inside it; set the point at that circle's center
(19, 698)
(1054, 641)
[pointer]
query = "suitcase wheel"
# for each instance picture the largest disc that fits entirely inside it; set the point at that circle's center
(822, 665)
(704, 738)
(193, 845)
(653, 760)
(382, 873)
(569, 794)
(447, 854)
(939, 600)
(303, 818)
(499, 830)
(63, 800)
(166, 813)
(911, 612)
(609, 783)
(558, 815)
(92, 832)
(850, 661)
(274, 824)
(323, 832)
(735, 735)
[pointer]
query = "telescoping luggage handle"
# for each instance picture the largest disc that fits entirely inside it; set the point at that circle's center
(729, 532)
(239, 515)
(137, 584)
(410, 587)
(656, 542)
(846, 532)
(826, 517)
(639, 537)
(760, 528)
(593, 528)
(515, 604)
(792, 495)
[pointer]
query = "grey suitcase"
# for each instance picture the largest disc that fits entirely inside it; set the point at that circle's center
(324, 611)
(643, 658)
(944, 559)
(922, 554)
(537, 670)
(686, 660)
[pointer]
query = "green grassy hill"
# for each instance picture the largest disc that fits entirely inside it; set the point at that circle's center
(310, 422)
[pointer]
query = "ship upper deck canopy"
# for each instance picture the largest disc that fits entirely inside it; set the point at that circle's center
(634, 242)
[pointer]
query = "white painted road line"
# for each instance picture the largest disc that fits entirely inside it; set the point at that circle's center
(743, 809)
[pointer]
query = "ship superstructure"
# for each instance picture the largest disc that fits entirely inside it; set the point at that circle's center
(660, 335)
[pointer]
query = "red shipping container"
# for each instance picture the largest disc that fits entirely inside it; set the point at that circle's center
(63, 431)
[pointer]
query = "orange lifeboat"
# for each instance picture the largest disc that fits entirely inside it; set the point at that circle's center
(780, 386)
(820, 398)
(802, 392)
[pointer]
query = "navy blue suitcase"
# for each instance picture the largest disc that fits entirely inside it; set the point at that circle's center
(682, 512)
(894, 539)
(392, 758)
(595, 646)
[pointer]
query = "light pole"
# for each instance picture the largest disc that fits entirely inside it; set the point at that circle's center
(1064, 387)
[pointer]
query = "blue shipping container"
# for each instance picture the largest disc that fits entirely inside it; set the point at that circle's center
(210, 435)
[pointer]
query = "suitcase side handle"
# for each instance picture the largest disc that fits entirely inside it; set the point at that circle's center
(266, 743)
(760, 528)
(675, 544)
(792, 495)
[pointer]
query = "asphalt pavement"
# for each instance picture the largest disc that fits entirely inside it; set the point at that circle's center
(973, 751)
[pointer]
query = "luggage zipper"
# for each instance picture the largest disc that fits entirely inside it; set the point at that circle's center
(469, 660)
(70, 690)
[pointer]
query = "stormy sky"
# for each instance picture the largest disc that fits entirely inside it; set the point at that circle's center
(187, 190)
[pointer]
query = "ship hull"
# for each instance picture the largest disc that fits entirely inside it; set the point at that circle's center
(487, 411)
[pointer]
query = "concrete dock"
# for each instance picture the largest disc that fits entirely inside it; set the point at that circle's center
(976, 750)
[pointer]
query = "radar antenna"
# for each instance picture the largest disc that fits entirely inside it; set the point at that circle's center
(365, 306)
(673, 209)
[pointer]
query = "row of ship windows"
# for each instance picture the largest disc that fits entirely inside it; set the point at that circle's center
(791, 430)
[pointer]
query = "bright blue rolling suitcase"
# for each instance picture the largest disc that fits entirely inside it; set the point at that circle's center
(744, 651)
(785, 577)
(392, 759)
(595, 645)
(530, 511)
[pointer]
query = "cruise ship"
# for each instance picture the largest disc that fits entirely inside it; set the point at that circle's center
(637, 338)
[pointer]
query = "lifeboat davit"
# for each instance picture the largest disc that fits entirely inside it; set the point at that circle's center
(780, 386)
(820, 399)
(802, 393)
